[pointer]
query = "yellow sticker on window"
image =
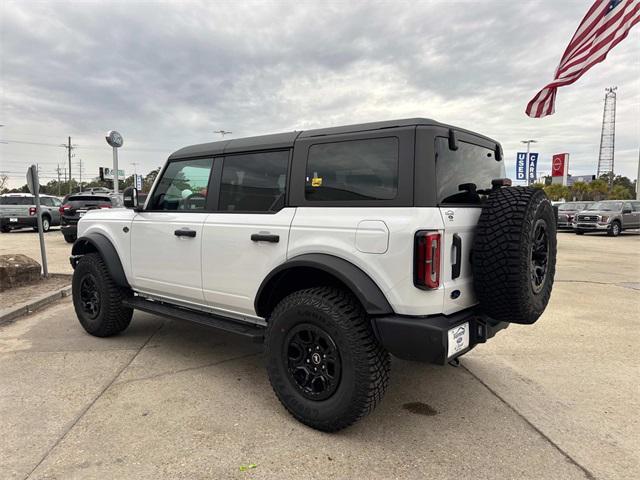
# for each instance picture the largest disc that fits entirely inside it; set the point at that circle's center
(316, 182)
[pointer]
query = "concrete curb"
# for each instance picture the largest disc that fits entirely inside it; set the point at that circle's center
(8, 315)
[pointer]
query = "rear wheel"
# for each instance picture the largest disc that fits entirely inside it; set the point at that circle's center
(324, 362)
(578, 232)
(5, 229)
(97, 299)
(615, 229)
(46, 225)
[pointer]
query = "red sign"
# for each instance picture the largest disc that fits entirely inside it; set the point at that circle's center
(558, 165)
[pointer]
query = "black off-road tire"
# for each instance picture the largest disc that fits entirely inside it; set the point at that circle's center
(510, 283)
(578, 232)
(5, 229)
(111, 316)
(364, 364)
(615, 230)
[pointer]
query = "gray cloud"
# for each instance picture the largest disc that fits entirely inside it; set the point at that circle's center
(168, 74)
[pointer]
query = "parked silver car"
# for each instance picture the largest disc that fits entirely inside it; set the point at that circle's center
(611, 216)
(18, 210)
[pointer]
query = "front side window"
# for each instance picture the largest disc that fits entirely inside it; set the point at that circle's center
(183, 186)
(469, 164)
(254, 182)
(353, 170)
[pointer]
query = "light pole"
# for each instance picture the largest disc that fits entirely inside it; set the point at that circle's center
(528, 142)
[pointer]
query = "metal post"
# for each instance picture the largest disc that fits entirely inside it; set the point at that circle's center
(69, 154)
(34, 186)
(115, 170)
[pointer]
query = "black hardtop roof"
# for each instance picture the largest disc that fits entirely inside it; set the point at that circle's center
(286, 140)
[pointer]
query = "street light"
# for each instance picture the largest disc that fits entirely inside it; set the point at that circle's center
(528, 142)
(222, 132)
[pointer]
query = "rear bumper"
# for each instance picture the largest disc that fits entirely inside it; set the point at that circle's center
(426, 339)
(69, 229)
(19, 223)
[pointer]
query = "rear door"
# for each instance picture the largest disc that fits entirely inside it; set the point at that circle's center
(247, 236)
(458, 174)
(166, 238)
(629, 219)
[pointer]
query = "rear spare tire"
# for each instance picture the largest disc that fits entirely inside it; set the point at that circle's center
(514, 254)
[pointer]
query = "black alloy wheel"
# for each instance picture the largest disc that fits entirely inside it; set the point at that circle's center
(89, 296)
(539, 255)
(313, 361)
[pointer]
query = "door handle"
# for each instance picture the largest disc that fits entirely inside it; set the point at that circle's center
(455, 268)
(260, 237)
(185, 232)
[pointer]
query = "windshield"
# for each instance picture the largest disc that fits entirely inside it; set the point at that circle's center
(17, 201)
(571, 206)
(606, 207)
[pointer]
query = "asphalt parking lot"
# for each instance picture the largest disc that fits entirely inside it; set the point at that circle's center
(173, 400)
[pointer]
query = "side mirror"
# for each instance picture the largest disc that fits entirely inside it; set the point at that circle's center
(626, 210)
(130, 197)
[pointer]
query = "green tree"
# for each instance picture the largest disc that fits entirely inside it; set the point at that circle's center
(557, 192)
(620, 192)
(149, 179)
(580, 190)
(598, 190)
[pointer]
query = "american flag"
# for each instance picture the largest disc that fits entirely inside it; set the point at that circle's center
(605, 25)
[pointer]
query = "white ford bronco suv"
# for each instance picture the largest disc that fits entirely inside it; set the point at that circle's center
(335, 247)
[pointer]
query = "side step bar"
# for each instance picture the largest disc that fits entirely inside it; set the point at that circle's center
(254, 332)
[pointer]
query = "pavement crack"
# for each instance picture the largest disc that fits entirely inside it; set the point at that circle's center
(188, 369)
(84, 411)
(565, 454)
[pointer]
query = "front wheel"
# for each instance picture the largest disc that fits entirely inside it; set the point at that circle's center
(615, 229)
(323, 360)
(97, 299)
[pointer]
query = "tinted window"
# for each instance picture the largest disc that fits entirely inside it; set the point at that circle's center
(46, 201)
(254, 182)
(636, 206)
(627, 206)
(17, 201)
(353, 170)
(79, 201)
(468, 164)
(56, 202)
(183, 186)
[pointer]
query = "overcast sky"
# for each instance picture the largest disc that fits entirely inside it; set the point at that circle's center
(167, 74)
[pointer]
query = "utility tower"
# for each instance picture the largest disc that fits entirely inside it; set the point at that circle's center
(608, 136)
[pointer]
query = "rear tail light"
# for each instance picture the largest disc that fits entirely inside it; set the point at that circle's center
(104, 205)
(426, 254)
(32, 211)
(64, 208)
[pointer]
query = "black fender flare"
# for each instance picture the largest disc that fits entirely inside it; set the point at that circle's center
(96, 242)
(360, 284)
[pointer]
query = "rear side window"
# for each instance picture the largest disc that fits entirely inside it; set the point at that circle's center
(79, 201)
(468, 164)
(353, 170)
(17, 201)
(183, 186)
(254, 182)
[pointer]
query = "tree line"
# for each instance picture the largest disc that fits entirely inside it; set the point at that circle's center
(53, 187)
(603, 188)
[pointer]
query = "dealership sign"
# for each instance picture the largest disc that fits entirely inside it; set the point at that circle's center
(558, 164)
(106, 173)
(533, 165)
(526, 168)
(521, 166)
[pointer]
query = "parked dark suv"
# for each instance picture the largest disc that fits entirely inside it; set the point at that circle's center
(75, 206)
